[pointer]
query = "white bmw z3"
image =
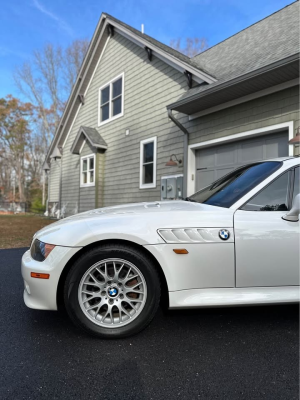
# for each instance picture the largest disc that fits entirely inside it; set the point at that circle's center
(235, 242)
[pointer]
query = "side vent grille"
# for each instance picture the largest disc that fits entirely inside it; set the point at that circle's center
(186, 235)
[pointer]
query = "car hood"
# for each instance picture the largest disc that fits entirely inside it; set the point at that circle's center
(138, 221)
(142, 208)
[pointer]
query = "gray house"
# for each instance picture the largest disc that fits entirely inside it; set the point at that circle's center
(145, 122)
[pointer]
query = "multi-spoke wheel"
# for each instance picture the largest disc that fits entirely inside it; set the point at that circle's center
(112, 291)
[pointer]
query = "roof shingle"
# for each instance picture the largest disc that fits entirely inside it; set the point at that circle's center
(272, 39)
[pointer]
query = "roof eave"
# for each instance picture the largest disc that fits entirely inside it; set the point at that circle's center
(232, 82)
(74, 91)
(160, 52)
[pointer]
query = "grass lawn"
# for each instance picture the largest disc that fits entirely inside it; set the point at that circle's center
(17, 230)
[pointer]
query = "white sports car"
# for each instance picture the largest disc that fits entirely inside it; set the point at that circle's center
(235, 242)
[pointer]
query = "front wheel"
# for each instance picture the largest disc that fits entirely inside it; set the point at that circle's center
(112, 291)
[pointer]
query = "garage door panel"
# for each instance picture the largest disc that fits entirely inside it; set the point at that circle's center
(276, 148)
(225, 155)
(207, 159)
(204, 178)
(221, 159)
(249, 152)
(222, 172)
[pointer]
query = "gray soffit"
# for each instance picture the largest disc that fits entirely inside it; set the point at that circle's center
(91, 135)
(208, 96)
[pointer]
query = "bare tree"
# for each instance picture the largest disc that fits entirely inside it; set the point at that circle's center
(6, 173)
(46, 81)
(191, 47)
(72, 60)
(15, 132)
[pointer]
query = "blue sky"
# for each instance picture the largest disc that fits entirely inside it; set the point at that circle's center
(26, 25)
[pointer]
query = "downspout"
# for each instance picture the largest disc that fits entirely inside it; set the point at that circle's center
(60, 189)
(185, 150)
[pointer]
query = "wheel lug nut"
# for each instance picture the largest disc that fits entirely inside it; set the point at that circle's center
(111, 301)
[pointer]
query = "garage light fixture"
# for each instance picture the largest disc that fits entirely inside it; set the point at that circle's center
(172, 163)
(296, 140)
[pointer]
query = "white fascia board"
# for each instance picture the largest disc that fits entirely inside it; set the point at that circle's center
(244, 99)
(174, 62)
(74, 119)
(86, 90)
(102, 52)
(82, 146)
(82, 79)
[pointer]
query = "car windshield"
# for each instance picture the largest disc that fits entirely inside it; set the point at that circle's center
(230, 188)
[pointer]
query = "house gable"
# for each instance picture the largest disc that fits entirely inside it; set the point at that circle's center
(148, 86)
(106, 28)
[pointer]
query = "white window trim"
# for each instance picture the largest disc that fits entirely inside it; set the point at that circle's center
(81, 162)
(142, 143)
(100, 123)
(191, 178)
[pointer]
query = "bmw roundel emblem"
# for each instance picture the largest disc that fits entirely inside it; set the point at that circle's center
(113, 292)
(224, 234)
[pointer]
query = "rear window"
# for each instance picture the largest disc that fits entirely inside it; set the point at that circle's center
(233, 186)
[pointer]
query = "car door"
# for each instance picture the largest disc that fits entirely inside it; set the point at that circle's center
(267, 246)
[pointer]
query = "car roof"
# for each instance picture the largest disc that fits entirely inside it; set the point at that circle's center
(290, 161)
(282, 158)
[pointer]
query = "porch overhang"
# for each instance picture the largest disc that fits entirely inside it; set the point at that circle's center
(92, 136)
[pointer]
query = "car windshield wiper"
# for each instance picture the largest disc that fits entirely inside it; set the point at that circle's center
(189, 199)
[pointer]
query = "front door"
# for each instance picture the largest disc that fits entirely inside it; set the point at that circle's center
(267, 247)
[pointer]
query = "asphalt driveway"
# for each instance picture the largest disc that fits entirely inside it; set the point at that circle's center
(233, 353)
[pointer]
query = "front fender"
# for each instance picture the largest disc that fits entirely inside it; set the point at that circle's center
(80, 233)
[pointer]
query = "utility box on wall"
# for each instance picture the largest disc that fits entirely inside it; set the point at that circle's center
(171, 187)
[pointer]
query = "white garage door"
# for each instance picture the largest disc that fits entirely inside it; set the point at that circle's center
(214, 162)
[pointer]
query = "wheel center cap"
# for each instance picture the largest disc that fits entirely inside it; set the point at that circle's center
(113, 292)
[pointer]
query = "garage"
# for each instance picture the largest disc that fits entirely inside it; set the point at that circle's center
(214, 162)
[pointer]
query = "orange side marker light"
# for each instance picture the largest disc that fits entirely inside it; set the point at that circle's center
(180, 251)
(40, 276)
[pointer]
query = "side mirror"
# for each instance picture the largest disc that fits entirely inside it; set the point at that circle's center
(293, 214)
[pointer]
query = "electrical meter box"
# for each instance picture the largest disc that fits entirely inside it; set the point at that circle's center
(171, 187)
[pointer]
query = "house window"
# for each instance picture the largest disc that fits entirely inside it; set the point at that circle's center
(111, 100)
(87, 174)
(148, 163)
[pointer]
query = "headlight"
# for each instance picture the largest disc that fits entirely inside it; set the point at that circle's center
(40, 250)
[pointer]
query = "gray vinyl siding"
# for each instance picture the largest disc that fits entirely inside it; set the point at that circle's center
(265, 111)
(54, 180)
(149, 86)
(87, 198)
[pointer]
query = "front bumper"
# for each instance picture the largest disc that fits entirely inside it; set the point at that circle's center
(41, 294)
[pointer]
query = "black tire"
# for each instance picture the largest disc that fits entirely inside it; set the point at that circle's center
(87, 260)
